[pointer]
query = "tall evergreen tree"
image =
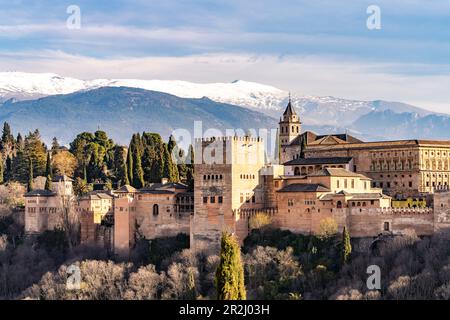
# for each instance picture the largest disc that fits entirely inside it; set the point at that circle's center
(303, 147)
(190, 168)
(171, 144)
(30, 175)
(130, 165)
(19, 142)
(120, 165)
(230, 272)
(1, 169)
(346, 246)
(138, 173)
(48, 183)
(85, 177)
(7, 137)
(170, 169)
(48, 166)
(20, 167)
(8, 169)
(37, 151)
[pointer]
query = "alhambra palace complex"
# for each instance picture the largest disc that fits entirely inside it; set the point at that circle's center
(320, 177)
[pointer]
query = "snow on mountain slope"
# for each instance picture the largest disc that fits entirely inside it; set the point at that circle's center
(267, 99)
(22, 85)
(37, 84)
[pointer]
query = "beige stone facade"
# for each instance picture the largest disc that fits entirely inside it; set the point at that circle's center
(162, 210)
(404, 168)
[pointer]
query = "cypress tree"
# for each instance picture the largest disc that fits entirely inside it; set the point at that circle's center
(84, 173)
(48, 167)
(48, 183)
(7, 136)
(138, 173)
(1, 169)
(190, 168)
(230, 272)
(124, 179)
(346, 246)
(171, 144)
(303, 147)
(130, 164)
(170, 169)
(8, 171)
(30, 175)
(191, 290)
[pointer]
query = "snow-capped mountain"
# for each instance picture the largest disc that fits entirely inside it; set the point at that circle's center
(21, 86)
(314, 111)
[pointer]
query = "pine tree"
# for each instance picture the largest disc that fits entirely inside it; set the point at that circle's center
(346, 246)
(48, 166)
(48, 183)
(30, 175)
(230, 272)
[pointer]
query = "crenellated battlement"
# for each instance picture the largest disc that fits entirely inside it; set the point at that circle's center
(246, 213)
(391, 211)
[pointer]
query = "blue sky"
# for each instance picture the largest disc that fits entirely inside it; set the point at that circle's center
(312, 47)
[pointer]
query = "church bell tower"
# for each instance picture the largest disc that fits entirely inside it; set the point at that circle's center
(290, 125)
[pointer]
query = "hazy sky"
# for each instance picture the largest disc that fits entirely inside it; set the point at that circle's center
(312, 47)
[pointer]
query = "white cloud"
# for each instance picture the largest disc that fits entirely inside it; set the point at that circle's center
(311, 75)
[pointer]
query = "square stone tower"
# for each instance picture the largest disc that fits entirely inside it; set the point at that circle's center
(226, 175)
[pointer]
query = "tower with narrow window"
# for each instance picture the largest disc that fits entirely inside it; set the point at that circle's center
(226, 180)
(290, 125)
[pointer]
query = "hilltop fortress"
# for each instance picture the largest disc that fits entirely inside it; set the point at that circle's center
(320, 178)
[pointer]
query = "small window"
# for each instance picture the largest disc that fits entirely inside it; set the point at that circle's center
(212, 199)
(205, 199)
(253, 199)
(220, 199)
(155, 210)
(386, 226)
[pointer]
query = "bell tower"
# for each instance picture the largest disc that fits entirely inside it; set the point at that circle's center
(290, 125)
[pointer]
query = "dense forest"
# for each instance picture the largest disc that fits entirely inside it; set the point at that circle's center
(93, 158)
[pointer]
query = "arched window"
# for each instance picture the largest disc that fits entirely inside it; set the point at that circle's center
(155, 210)
(297, 171)
(339, 204)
